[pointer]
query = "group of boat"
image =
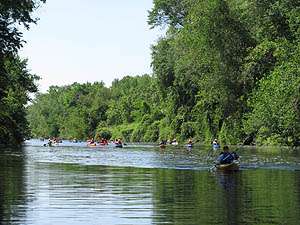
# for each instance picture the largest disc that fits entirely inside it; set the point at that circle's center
(53, 142)
(103, 142)
(226, 161)
(174, 142)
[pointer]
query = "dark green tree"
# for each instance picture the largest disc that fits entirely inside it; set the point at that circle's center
(15, 80)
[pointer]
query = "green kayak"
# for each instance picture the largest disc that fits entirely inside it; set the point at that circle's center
(235, 165)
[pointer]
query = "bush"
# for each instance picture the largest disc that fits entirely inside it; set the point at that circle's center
(106, 134)
(138, 134)
(126, 134)
(187, 130)
(231, 131)
(152, 133)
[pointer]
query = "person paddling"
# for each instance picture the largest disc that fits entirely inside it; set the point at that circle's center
(190, 143)
(227, 157)
(215, 144)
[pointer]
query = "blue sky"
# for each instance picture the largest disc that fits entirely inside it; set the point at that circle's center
(89, 40)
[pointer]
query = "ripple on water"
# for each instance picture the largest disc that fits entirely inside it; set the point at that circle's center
(80, 185)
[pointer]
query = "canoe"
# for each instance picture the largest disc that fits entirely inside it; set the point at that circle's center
(228, 167)
(103, 143)
(92, 145)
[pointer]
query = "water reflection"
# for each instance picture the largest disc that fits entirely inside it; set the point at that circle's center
(230, 181)
(12, 186)
(82, 186)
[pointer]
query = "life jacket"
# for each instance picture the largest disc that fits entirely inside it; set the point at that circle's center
(226, 158)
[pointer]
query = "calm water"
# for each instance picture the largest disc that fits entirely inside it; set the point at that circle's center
(141, 184)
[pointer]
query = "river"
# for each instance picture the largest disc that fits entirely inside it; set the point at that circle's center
(143, 184)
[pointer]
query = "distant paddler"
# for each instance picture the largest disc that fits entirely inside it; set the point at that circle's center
(118, 143)
(49, 144)
(162, 144)
(91, 143)
(215, 144)
(190, 143)
(103, 142)
(174, 142)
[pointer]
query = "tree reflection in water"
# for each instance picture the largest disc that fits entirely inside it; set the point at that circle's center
(229, 182)
(12, 186)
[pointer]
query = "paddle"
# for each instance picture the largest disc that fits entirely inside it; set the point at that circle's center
(213, 168)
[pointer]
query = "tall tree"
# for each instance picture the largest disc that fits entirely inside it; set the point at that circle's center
(15, 80)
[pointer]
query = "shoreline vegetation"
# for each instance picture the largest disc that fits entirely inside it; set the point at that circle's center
(224, 69)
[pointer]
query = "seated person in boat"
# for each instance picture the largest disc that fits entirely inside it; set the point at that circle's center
(50, 142)
(90, 141)
(162, 142)
(190, 142)
(215, 144)
(227, 157)
(174, 142)
(103, 141)
(118, 141)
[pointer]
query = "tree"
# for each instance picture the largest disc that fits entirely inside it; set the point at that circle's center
(13, 126)
(15, 80)
(168, 12)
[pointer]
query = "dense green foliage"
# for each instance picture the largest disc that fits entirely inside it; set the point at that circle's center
(230, 68)
(71, 112)
(15, 80)
(224, 69)
(88, 110)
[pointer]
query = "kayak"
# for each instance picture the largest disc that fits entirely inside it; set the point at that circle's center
(118, 145)
(162, 145)
(102, 143)
(92, 145)
(229, 166)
